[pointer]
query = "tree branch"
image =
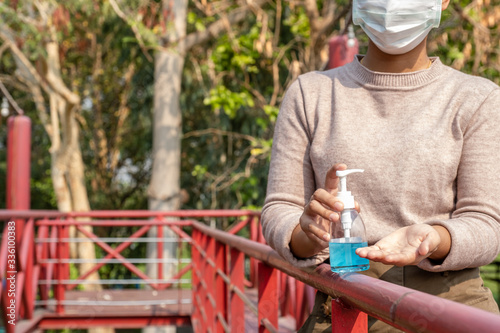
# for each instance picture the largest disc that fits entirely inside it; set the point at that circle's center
(312, 13)
(11, 100)
(332, 19)
(24, 65)
(54, 75)
(137, 34)
(123, 112)
(216, 131)
(217, 28)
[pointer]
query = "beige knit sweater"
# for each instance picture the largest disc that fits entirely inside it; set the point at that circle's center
(429, 142)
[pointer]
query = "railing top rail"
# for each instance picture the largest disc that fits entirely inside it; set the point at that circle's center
(39, 214)
(399, 306)
(111, 223)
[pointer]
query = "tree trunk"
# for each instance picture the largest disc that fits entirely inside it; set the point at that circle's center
(67, 164)
(67, 169)
(164, 188)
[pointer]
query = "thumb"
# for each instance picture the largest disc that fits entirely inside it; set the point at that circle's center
(332, 181)
(428, 245)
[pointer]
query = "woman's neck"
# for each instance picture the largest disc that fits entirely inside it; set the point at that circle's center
(412, 61)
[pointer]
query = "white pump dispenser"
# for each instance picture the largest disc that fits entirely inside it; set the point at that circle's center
(349, 234)
(346, 218)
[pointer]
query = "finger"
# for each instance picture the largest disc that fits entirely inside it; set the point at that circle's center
(356, 206)
(370, 252)
(318, 231)
(402, 259)
(316, 209)
(332, 181)
(325, 205)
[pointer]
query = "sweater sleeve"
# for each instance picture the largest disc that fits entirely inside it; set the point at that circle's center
(474, 226)
(291, 179)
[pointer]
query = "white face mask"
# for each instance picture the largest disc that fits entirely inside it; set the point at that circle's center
(396, 26)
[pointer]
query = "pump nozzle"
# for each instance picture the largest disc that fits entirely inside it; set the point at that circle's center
(348, 200)
(342, 174)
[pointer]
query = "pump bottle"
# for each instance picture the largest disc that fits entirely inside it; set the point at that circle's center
(349, 234)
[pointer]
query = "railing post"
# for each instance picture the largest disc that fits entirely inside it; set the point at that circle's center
(18, 167)
(59, 289)
(268, 297)
(211, 290)
(195, 317)
(300, 303)
(42, 254)
(52, 267)
(285, 297)
(254, 235)
(159, 251)
(27, 257)
(18, 189)
(348, 319)
(237, 276)
(65, 255)
(220, 287)
(203, 290)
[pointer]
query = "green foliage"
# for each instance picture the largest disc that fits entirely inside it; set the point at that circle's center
(198, 23)
(271, 113)
(31, 36)
(230, 102)
(299, 23)
(42, 191)
(491, 276)
(468, 38)
(233, 86)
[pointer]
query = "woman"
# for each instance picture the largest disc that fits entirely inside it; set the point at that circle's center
(428, 138)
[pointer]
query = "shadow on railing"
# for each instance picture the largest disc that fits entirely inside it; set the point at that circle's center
(223, 268)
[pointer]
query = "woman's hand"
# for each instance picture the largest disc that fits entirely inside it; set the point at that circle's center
(313, 232)
(409, 245)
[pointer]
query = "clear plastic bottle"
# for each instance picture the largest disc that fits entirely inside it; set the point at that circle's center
(349, 234)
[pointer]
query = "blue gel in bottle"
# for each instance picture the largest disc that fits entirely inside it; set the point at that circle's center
(343, 257)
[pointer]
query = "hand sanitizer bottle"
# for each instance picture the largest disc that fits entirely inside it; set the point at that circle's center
(349, 234)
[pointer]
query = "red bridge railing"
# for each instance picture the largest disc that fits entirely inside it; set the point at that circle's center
(223, 266)
(43, 254)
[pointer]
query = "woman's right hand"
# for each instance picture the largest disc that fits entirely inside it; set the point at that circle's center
(313, 232)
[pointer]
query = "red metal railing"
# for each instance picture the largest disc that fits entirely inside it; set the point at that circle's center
(220, 298)
(355, 296)
(47, 261)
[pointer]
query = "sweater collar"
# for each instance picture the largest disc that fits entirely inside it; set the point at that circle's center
(394, 80)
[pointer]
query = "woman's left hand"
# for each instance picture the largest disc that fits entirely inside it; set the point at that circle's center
(405, 246)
